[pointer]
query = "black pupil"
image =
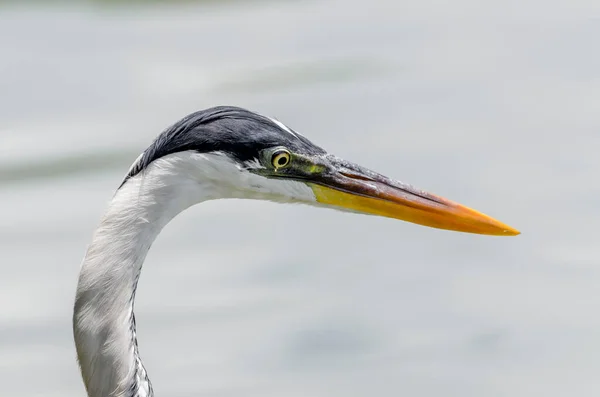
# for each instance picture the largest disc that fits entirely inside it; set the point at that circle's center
(282, 160)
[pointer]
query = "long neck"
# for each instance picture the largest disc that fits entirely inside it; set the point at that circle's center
(103, 320)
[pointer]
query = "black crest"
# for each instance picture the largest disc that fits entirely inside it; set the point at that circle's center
(238, 132)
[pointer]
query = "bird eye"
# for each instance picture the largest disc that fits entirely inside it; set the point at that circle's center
(280, 158)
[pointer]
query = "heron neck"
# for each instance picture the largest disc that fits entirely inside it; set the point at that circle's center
(103, 320)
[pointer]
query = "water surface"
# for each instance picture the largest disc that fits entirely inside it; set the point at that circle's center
(494, 105)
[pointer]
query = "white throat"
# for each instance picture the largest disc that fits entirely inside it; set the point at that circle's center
(103, 320)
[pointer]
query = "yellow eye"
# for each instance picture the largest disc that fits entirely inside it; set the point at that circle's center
(280, 158)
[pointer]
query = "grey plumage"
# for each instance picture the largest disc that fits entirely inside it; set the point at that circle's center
(206, 155)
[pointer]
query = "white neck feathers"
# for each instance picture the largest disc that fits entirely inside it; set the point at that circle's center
(103, 322)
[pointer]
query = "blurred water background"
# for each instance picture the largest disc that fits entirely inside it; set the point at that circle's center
(494, 104)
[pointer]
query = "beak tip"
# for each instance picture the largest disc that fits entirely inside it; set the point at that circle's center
(511, 232)
(501, 229)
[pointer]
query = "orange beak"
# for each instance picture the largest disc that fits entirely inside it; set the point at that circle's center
(351, 187)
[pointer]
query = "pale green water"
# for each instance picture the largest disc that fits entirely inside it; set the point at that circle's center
(495, 105)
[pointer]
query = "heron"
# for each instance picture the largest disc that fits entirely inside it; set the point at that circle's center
(223, 152)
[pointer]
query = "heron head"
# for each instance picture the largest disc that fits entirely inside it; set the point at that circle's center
(254, 156)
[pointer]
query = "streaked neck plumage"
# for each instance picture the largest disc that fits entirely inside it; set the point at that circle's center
(103, 320)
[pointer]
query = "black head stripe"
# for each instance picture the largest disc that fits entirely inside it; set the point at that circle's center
(238, 132)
